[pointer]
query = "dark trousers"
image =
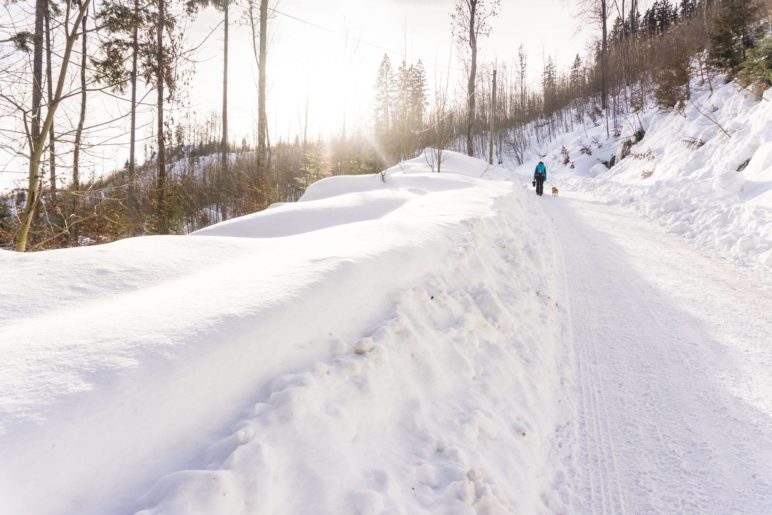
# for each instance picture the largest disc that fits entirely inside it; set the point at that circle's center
(540, 185)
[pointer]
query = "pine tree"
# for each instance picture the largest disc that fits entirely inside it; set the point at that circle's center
(418, 102)
(123, 49)
(732, 34)
(383, 98)
(634, 18)
(577, 76)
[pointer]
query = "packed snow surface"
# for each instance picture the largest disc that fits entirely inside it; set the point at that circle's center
(411, 342)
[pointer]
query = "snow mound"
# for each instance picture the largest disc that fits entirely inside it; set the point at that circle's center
(378, 346)
(452, 163)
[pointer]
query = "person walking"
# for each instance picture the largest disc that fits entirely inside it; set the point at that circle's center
(539, 176)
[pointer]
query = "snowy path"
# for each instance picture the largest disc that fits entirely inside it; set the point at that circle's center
(673, 359)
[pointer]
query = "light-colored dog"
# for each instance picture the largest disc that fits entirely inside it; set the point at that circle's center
(554, 191)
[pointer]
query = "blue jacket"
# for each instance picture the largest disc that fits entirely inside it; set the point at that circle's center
(540, 170)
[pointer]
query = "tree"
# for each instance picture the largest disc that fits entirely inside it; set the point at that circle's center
(522, 61)
(383, 99)
(82, 116)
(732, 34)
(472, 20)
(125, 23)
(440, 132)
(38, 133)
(262, 119)
(672, 91)
(597, 11)
(50, 90)
(756, 70)
(224, 6)
(162, 224)
(417, 94)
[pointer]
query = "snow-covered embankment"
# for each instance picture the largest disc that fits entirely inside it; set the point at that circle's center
(705, 174)
(377, 346)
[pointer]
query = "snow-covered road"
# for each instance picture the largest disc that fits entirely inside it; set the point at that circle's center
(672, 370)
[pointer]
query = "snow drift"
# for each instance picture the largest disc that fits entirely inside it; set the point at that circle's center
(380, 346)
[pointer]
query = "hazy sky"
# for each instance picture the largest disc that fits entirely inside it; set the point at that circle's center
(333, 58)
(328, 51)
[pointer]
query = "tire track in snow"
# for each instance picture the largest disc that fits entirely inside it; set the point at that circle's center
(657, 430)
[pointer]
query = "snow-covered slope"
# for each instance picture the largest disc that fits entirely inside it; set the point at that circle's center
(705, 174)
(377, 347)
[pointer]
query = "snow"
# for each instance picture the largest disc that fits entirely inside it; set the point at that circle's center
(695, 192)
(401, 333)
(672, 358)
(413, 342)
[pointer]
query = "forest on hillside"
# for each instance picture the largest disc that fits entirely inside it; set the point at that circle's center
(57, 57)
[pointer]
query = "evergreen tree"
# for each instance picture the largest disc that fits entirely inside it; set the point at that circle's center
(383, 98)
(417, 93)
(732, 34)
(688, 8)
(549, 86)
(577, 76)
(634, 20)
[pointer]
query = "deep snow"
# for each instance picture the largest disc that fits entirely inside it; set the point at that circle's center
(416, 343)
(402, 334)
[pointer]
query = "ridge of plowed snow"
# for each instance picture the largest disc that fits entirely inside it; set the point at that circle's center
(366, 328)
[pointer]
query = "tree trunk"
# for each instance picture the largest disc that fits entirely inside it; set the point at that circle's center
(261, 115)
(604, 54)
(493, 119)
(82, 118)
(50, 88)
(163, 222)
(470, 101)
(604, 57)
(224, 144)
(33, 192)
(133, 208)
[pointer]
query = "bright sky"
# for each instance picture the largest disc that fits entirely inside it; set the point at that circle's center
(331, 58)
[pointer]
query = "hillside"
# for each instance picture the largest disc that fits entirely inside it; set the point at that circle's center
(705, 174)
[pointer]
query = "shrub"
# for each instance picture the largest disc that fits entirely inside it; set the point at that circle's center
(757, 67)
(693, 143)
(643, 156)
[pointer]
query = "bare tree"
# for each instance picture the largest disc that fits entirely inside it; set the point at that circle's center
(262, 120)
(50, 91)
(82, 116)
(162, 214)
(471, 20)
(38, 135)
(441, 124)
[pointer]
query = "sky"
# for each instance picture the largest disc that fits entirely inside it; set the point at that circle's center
(328, 52)
(332, 56)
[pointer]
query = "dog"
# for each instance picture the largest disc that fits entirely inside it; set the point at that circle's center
(554, 191)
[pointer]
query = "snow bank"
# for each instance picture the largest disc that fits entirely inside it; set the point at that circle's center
(377, 347)
(687, 174)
